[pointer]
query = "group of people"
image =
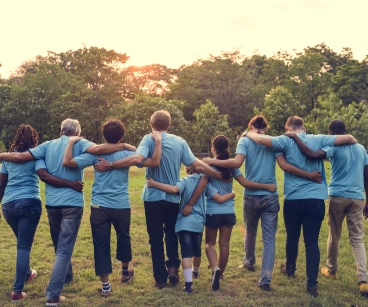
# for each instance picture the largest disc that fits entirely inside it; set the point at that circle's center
(180, 208)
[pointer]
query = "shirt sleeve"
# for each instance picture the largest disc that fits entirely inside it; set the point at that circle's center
(210, 191)
(181, 185)
(236, 172)
(277, 153)
(39, 152)
(280, 143)
(241, 148)
(187, 156)
(85, 144)
(325, 140)
(329, 150)
(40, 164)
(143, 147)
(366, 159)
(85, 160)
(3, 168)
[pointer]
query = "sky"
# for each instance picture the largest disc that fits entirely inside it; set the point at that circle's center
(174, 33)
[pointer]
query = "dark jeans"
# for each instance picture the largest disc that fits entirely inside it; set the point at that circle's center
(101, 220)
(23, 216)
(64, 225)
(308, 213)
(160, 219)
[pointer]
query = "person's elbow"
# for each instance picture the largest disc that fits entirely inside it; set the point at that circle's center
(138, 159)
(197, 166)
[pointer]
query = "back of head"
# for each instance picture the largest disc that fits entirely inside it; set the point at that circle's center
(337, 126)
(189, 170)
(25, 138)
(113, 130)
(258, 122)
(70, 127)
(294, 123)
(161, 120)
(221, 145)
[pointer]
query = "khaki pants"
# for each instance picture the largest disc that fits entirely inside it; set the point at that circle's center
(338, 208)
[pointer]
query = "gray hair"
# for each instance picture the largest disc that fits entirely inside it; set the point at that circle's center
(70, 127)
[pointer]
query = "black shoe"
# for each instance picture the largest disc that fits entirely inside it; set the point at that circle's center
(216, 279)
(160, 285)
(188, 287)
(312, 290)
(250, 268)
(173, 276)
(265, 287)
(195, 274)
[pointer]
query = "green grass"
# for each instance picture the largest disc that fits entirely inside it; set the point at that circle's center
(239, 288)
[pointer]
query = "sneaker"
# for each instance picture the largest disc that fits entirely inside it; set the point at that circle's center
(195, 274)
(363, 289)
(284, 271)
(32, 276)
(173, 276)
(312, 290)
(55, 302)
(16, 297)
(265, 287)
(125, 279)
(216, 279)
(250, 268)
(188, 287)
(104, 293)
(160, 285)
(326, 272)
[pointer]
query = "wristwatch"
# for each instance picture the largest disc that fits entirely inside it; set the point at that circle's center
(111, 167)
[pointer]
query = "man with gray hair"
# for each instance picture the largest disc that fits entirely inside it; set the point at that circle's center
(64, 205)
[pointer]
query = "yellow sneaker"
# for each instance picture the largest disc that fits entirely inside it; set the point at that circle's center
(326, 272)
(363, 288)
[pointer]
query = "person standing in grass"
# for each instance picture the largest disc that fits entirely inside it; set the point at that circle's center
(304, 199)
(161, 208)
(349, 179)
(260, 203)
(110, 201)
(21, 202)
(64, 205)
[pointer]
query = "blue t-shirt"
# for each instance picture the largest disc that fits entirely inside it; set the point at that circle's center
(212, 206)
(298, 187)
(110, 188)
(347, 168)
(259, 165)
(53, 152)
(197, 217)
(22, 180)
(175, 151)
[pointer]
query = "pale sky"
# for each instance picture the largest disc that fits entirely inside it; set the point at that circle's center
(173, 33)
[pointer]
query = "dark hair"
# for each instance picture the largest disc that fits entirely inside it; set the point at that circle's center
(337, 126)
(161, 120)
(113, 130)
(221, 145)
(190, 170)
(258, 122)
(25, 138)
(294, 122)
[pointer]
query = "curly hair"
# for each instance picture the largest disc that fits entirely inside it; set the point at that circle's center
(25, 138)
(221, 144)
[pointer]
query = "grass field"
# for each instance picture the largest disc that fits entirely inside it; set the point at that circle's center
(239, 288)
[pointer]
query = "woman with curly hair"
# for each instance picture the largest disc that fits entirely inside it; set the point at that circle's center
(21, 202)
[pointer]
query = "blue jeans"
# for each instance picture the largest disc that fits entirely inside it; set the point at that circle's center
(23, 216)
(160, 219)
(309, 214)
(266, 208)
(64, 225)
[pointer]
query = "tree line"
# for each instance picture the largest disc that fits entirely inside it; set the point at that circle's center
(208, 97)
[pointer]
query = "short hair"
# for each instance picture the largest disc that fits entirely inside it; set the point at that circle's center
(70, 127)
(113, 130)
(295, 123)
(258, 122)
(190, 170)
(161, 120)
(337, 126)
(25, 138)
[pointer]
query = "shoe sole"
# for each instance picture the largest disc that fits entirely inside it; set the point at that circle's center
(216, 280)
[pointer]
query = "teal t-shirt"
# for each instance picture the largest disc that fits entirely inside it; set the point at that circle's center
(298, 187)
(175, 151)
(22, 180)
(212, 206)
(347, 168)
(197, 217)
(259, 165)
(53, 152)
(110, 188)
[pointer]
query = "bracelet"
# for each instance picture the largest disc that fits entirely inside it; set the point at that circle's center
(190, 204)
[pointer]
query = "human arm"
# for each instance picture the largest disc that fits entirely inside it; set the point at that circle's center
(129, 147)
(168, 188)
(306, 151)
(58, 182)
(271, 187)
(3, 182)
(365, 210)
(287, 167)
(200, 167)
(223, 198)
(230, 163)
(16, 157)
(155, 160)
(197, 193)
(345, 139)
(68, 159)
(260, 138)
(104, 149)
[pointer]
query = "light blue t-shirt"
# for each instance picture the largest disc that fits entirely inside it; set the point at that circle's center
(53, 152)
(298, 187)
(197, 217)
(212, 206)
(347, 168)
(110, 188)
(259, 165)
(175, 151)
(22, 180)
